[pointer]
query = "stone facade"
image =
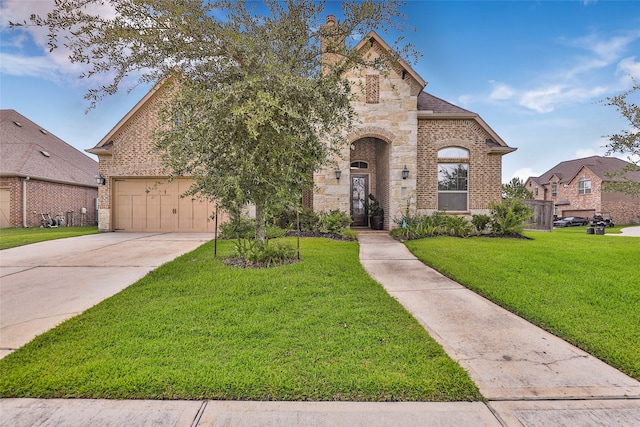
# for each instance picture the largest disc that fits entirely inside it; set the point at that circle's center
(394, 134)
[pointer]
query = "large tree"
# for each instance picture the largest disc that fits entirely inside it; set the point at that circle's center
(258, 102)
(626, 142)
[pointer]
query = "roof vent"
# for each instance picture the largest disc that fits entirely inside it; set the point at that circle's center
(45, 153)
(44, 132)
(17, 124)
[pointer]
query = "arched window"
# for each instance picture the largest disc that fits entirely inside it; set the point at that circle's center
(359, 165)
(453, 179)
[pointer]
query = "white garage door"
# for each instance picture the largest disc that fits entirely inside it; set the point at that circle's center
(143, 204)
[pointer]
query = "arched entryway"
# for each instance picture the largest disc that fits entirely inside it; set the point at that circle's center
(369, 171)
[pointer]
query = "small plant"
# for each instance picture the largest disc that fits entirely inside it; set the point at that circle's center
(508, 216)
(333, 222)
(375, 210)
(252, 253)
(239, 227)
(349, 234)
(480, 222)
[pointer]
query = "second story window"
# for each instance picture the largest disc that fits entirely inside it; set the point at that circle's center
(554, 189)
(584, 186)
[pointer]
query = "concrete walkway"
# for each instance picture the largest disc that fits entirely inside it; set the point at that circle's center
(529, 377)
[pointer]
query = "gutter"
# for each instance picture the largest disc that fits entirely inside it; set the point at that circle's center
(24, 201)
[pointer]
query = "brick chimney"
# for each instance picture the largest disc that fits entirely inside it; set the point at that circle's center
(331, 43)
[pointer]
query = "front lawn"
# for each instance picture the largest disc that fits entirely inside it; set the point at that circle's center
(582, 288)
(12, 237)
(319, 329)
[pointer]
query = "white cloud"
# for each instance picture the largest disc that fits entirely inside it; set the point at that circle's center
(501, 91)
(19, 65)
(524, 173)
(29, 50)
(629, 67)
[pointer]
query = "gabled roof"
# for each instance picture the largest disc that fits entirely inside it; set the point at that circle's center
(28, 150)
(105, 145)
(373, 35)
(600, 166)
(432, 107)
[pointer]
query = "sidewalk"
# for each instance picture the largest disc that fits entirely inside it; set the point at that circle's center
(529, 377)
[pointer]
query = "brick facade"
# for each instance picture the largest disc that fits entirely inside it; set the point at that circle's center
(49, 197)
(131, 155)
(485, 170)
(568, 201)
(390, 137)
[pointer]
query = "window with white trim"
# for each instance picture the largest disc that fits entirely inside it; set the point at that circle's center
(584, 186)
(453, 179)
(554, 189)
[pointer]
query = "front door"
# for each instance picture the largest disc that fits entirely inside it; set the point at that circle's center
(359, 192)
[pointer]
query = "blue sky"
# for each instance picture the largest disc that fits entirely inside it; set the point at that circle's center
(535, 71)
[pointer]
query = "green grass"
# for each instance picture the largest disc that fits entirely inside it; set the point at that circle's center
(319, 329)
(13, 237)
(582, 288)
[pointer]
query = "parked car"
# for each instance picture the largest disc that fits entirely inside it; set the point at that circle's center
(570, 221)
(602, 219)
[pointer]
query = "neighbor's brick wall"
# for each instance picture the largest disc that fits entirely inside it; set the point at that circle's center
(15, 199)
(48, 197)
(485, 170)
(623, 208)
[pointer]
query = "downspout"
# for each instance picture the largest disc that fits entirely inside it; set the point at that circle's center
(24, 202)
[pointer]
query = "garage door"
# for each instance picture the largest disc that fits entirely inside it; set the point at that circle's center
(585, 213)
(155, 205)
(5, 207)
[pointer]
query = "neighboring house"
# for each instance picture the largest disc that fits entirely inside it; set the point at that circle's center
(411, 149)
(576, 188)
(40, 173)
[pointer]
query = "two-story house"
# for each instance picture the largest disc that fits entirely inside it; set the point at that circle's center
(577, 188)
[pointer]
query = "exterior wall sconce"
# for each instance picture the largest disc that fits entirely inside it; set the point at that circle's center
(100, 180)
(338, 173)
(405, 172)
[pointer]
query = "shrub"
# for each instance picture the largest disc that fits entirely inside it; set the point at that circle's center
(333, 222)
(480, 222)
(308, 219)
(239, 227)
(419, 226)
(508, 216)
(268, 253)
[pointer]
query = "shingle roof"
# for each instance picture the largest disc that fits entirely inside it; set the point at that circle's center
(599, 165)
(428, 102)
(27, 149)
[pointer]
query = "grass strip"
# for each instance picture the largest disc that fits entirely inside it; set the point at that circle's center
(319, 329)
(583, 288)
(13, 237)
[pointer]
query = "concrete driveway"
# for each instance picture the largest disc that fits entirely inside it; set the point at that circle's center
(45, 283)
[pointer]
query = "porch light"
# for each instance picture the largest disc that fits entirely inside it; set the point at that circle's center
(338, 173)
(405, 172)
(100, 180)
